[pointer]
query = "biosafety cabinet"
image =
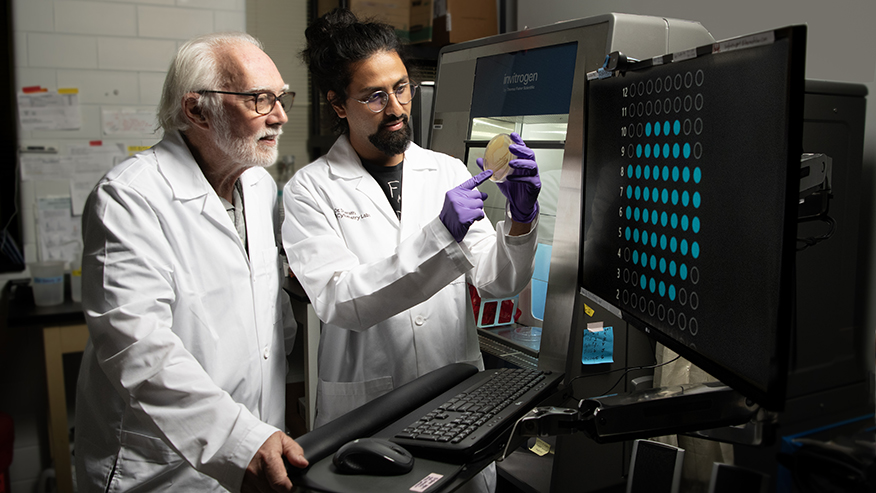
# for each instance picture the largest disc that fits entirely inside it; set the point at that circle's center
(533, 82)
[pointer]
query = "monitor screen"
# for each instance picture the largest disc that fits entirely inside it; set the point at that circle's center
(689, 211)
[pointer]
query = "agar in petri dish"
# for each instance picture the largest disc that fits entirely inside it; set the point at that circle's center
(497, 157)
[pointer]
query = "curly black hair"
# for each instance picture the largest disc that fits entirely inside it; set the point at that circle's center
(335, 42)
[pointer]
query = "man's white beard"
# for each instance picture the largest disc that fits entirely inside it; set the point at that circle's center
(246, 150)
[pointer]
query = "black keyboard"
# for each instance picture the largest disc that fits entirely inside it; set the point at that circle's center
(475, 417)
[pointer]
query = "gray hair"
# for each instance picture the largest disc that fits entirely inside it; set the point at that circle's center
(194, 68)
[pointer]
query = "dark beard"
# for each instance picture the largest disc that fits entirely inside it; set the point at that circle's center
(392, 143)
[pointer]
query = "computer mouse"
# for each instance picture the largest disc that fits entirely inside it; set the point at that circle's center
(373, 456)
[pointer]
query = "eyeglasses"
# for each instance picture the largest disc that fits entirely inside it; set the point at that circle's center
(378, 101)
(264, 101)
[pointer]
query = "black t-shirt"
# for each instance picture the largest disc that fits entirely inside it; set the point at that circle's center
(390, 180)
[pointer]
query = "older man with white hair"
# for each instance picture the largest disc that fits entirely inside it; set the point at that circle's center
(182, 382)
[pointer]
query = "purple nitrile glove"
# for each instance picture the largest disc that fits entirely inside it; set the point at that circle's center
(522, 185)
(463, 206)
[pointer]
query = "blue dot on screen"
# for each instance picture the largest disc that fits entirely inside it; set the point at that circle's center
(629, 212)
(685, 174)
(684, 222)
(662, 265)
(648, 129)
(663, 242)
(696, 200)
(673, 221)
(627, 233)
(675, 198)
(638, 193)
(675, 173)
(695, 249)
(664, 197)
(683, 248)
(676, 127)
(643, 282)
(652, 285)
(645, 238)
(698, 174)
(661, 288)
(673, 244)
(676, 150)
(630, 171)
(656, 172)
(666, 173)
(657, 129)
(647, 192)
(666, 127)
(672, 268)
(666, 150)
(654, 218)
(645, 215)
(629, 191)
(639, 150)
(695, 224)
(647, 151)
(672, 292)
(636, 213)
(653, 240)
(686, 151)
(664, 218)
(653, 262)
(636, 256)
(635, 238)
(647, 172)
(638, 172)
(656, 150)
(685, 198)
(655, 194)
(682, 272)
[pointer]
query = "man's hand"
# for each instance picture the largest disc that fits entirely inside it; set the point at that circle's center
(266, 471)
(522, 185)
(463, 206)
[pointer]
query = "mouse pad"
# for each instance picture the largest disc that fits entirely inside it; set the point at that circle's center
(426, 477)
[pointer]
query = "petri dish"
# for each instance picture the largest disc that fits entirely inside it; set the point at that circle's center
(497, 157)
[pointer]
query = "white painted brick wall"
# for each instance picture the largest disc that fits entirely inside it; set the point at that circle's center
(116, 52)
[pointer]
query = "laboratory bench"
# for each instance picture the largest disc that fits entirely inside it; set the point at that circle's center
(63, 332)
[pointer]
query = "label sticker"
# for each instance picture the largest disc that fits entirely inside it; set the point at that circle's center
(427, 482)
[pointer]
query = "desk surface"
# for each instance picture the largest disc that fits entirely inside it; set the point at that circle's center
(23, 312)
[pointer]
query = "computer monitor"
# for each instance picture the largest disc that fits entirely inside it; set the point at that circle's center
(690, 192)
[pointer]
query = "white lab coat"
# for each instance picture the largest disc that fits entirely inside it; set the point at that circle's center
(183, 377)
(391, 294)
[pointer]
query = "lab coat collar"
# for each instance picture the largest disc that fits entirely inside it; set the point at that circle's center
(344, 163)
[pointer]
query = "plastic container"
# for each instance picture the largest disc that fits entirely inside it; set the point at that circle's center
(76, 277)
(47, 279)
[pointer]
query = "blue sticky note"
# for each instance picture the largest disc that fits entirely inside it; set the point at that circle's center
(598, 346)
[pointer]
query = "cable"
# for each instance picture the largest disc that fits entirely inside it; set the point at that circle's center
(814, 240)
(625, 370)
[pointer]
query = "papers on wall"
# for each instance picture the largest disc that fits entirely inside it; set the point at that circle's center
(59, 231)
(120, 121)
(82, 165)
(40, 109)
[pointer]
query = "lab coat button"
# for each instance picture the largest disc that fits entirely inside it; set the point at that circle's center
(419, 320)
(267, 352)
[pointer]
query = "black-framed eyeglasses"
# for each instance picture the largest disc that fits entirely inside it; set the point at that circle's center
(264, 101)
(378, 101)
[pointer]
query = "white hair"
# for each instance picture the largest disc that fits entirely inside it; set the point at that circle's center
(195, 68)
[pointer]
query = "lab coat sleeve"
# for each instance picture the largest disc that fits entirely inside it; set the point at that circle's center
(353, 295)
(504, 263)
(128, 306)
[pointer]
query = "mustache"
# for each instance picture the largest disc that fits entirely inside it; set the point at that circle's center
(392, 121)
(270, 134)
